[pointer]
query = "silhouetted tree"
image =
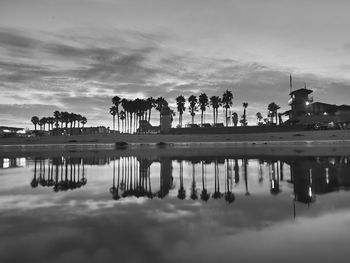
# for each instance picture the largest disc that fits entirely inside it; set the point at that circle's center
(272, 108)
(193, 106)
(35, 121)
(116, 101)
(227, 98)
(215, 102)
(180, 101)
(203, 103)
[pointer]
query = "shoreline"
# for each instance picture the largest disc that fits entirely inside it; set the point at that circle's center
(326, 136)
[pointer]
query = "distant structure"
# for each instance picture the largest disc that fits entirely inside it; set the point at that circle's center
(166, 119)
(306, 112)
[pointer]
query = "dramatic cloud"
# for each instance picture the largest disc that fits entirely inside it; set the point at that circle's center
(92, 50)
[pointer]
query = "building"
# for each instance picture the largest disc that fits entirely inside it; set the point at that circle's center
(306, 112)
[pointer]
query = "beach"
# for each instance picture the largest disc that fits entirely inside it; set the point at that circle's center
(324, 136)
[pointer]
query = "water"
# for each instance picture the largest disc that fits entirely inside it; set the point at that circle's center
(167, 205)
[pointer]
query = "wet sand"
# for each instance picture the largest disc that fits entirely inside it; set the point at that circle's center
(321, 143)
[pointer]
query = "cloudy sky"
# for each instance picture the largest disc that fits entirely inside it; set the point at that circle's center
(75, 55)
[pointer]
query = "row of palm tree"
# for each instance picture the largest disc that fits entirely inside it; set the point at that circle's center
(133, 111)
(130, 112)
(202, 102)
(59, 120)
(272, 109)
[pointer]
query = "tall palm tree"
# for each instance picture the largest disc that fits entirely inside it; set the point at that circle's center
(113, 111)
(50, 121)
(160, 103)
(57, 116)
(193, 106)
(215, 102)
(122, 118)
(272, 108)
(180, 101)
(83, 121)
(35, 121)
(203, 103)
(150, 102)
(227, 98)
(245, 105)
(259, 117)
(43, 122)
(116, 101)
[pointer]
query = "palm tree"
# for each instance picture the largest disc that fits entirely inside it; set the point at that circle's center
(113, 111)
(193, 106)
(43, 122)
(57, 116)
(83, 121)
(160, 103)
(35, 121)
(272, 108)
(203, 103)
(227, 98)
(116, 101)
(122, 118)
(150, 104)
(235, 119)
(259, 117)
(180, 101)
(245, 105)
(50, 121)
(215, 102)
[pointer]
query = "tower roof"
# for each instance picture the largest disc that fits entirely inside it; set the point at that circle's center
(301, 91)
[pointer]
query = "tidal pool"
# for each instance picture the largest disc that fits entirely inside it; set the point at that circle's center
(115, 206)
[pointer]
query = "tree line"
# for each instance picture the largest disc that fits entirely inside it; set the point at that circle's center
(60, 119)
(130, 112)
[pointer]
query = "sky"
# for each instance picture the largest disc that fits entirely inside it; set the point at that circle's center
(75, 55)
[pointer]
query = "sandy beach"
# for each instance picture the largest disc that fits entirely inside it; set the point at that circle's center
(321, 143)
(324, 136)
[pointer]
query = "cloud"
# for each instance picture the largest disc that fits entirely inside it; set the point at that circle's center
(81, 72)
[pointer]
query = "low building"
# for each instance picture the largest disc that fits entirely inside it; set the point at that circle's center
(306, 112)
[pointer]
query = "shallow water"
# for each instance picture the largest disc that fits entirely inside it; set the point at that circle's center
(108, 207)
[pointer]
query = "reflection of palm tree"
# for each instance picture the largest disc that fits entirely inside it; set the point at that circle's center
(229, 195)
(260, 171)
(216, 193)
(114, 190)
(34, 182)
(194, 195)
(245, 163)
(181, 192)
(204, 194)
(274, 179)
(236, 169)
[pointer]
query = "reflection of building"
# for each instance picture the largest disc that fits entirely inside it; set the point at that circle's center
(304, 111)
(319, 176)
(12, 162)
